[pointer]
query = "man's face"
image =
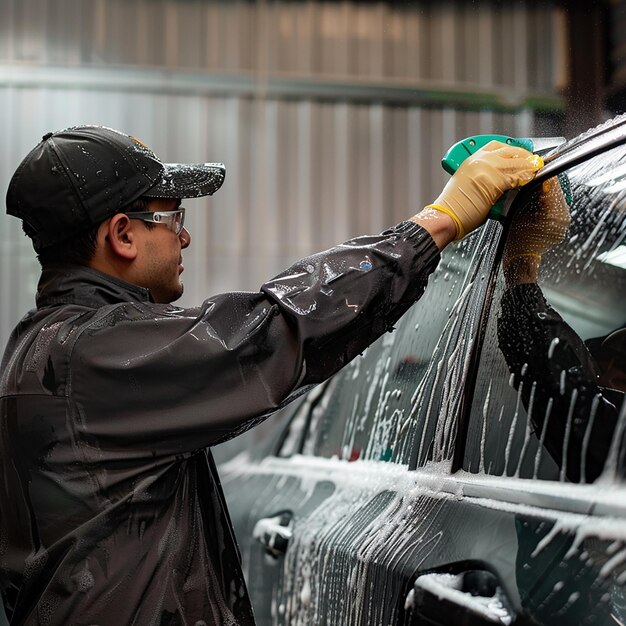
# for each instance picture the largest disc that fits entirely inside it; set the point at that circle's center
(160, 259)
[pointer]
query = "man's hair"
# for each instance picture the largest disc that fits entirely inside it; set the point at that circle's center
(80, 248)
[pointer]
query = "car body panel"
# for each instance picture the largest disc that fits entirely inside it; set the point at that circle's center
(370, 478)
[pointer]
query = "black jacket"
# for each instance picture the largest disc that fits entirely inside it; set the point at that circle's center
(111, 512)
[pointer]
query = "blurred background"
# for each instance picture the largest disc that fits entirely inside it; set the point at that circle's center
(331, 116)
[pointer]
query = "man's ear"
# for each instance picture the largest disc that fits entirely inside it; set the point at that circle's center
(119, 234)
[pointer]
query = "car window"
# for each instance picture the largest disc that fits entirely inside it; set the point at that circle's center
(551, 381)
(385, 405)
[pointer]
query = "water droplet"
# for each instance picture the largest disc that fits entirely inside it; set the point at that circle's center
(84, 580)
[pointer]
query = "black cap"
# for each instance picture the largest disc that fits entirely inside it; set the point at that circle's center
(75, 178)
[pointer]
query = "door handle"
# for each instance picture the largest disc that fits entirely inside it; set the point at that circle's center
(274, 533)
(470, 597)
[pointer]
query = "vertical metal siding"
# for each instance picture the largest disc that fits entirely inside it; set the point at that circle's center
(497, 42)
(302, 172)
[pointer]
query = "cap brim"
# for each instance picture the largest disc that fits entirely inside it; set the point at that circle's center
(188, 180)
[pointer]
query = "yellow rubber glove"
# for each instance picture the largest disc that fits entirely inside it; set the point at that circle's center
(539, 226)
(480, 181)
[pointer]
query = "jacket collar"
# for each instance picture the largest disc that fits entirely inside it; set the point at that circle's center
(76, 284)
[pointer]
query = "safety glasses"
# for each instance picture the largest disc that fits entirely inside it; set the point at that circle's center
(174, 220)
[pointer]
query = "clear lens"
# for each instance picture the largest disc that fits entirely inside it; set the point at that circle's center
(174, 220)
(179, 221)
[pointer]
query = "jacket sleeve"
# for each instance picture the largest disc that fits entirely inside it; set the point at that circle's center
(557, 379)
(183, 379)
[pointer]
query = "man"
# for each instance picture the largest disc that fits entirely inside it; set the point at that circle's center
(111, 510)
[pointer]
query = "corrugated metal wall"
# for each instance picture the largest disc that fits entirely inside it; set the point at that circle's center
(331, 117)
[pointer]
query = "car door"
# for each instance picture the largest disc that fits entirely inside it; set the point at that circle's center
(543, 433)
(414, 487)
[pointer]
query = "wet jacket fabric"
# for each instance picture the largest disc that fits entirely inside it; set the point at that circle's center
(558, 381)
(111, 511)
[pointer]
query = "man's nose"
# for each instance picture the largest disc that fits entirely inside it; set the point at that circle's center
(185, 238)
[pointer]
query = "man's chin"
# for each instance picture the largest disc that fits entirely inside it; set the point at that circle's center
(178, 293)
(171, 296)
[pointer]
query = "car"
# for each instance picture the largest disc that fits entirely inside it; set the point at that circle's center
(432, 482)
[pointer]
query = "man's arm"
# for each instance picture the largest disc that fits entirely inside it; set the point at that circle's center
(180, 380)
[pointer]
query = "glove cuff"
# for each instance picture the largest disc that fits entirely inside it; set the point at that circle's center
(460, 231)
